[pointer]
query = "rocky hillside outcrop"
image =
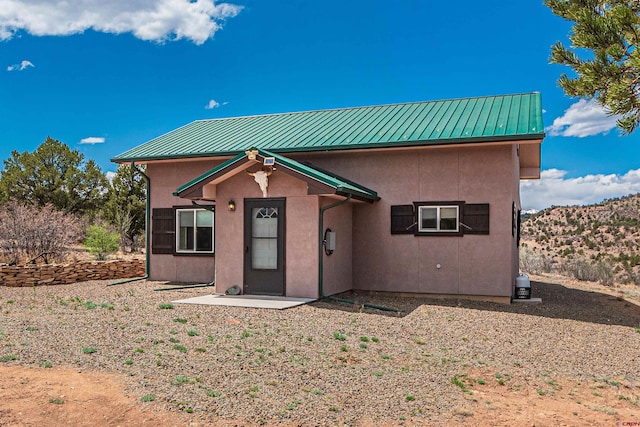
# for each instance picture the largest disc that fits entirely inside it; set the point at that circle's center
(598, 242)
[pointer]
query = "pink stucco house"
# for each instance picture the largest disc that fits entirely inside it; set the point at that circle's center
(415, 198)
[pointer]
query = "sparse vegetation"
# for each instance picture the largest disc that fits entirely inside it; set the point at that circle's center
(457, 381)
(339, 336)
(8, 358)
(266, 360)
(599, 243)
(180, 348)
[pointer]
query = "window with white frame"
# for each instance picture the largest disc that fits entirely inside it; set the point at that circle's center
(194, 231)
(439, 219)
(450, 218)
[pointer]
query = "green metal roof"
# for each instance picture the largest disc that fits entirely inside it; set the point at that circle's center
(337, 184)
(483, 119)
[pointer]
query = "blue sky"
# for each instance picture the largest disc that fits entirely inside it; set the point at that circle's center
(103, 77)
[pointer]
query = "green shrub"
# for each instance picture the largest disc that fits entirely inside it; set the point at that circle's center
(101, 242)
(339, 336)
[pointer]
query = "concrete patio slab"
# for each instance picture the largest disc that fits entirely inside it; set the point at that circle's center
(248, 301)
(529, 300)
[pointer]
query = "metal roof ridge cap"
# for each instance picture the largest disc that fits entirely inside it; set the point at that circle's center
(353, 108)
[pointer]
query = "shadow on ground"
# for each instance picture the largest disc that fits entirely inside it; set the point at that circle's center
(558, 302)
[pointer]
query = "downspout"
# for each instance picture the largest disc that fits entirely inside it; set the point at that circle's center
(147, 230)
(321, 293)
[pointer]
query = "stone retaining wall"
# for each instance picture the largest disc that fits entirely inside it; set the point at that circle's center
(60, 274)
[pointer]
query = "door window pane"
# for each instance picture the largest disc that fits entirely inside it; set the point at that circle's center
(264, 238)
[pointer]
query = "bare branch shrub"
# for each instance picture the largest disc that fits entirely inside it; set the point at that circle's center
(581, 269)
(29, 232)
(122, 222)
(534, 263)
(631, 276)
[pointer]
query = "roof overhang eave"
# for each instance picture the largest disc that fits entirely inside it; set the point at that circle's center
(317, 148)
(364, 197)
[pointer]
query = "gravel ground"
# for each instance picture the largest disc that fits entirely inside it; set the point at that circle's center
(325, 363)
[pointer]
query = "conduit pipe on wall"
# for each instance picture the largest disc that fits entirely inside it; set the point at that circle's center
(176, 288)
(321, 294)
(147, 230)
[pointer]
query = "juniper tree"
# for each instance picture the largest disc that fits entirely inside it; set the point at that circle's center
(54, 174)
(125, 205)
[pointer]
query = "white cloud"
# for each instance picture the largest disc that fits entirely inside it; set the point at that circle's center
(21, 66)
(212, 104)
(584, 118)
(110, 175)
(92, 140)
(553, 188)
(161, 20)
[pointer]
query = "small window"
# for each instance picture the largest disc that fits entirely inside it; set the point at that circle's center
(194, 231)
(438, 219)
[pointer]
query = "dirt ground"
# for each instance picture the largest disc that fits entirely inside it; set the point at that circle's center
(63, 397)
(57, 397)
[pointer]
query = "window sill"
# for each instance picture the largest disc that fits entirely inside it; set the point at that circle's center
(440, 233)
(196, 254)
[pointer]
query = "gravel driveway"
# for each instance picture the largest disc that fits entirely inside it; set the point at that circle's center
(325, 363)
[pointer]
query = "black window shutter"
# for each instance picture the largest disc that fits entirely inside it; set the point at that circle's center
(402, 219)
(163, 231)
(476, 218)
(519, 225)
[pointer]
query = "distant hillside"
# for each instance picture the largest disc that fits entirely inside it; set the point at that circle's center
(597, 242)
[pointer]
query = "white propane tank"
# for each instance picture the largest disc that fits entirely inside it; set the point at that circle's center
(523, 287)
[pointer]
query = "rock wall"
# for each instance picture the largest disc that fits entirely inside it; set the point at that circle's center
(60, 274)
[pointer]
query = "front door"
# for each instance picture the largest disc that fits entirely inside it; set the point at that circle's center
(264, 246)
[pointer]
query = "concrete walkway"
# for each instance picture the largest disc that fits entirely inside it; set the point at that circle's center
(249, 301)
